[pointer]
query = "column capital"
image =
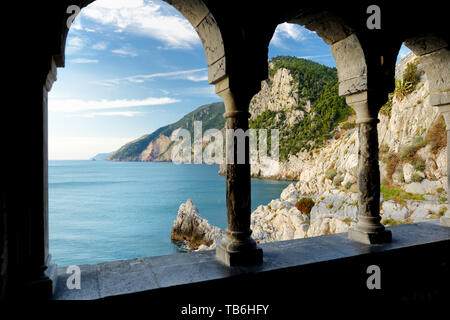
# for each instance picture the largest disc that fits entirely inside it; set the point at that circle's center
(51, 76)
(236, 101)
(445, 111)
(359, 103)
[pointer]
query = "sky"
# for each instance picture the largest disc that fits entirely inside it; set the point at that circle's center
(134, 66)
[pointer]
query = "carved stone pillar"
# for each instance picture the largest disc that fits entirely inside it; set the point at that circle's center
(42, 272)
(236, 247)
(369, 228)
(445, 111)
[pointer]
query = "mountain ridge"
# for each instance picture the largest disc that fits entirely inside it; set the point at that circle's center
(157, 145)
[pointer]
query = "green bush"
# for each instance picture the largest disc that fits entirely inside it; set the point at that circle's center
(319, 85)
(349, 125)
(304, 205)
(416, 177)
(411, 73)
(419, 165)
(391, 222)
(386, 109)
(409, 81)
(338, 180)
(348, 185)
(330, 174)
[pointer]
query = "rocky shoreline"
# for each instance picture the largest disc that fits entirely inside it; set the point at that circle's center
(333, 211)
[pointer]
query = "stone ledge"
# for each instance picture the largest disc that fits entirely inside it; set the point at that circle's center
(201, 269)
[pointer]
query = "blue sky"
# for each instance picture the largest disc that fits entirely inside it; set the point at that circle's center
(133, 66)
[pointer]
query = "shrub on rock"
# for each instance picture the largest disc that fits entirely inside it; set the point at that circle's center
(304, 205)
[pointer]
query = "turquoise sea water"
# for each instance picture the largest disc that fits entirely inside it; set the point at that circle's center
(102, 211)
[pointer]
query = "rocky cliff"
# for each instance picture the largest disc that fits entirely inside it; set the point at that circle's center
(157, 146)
(412, 143)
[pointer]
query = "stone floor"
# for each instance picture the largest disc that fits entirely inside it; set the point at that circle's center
(148, 275)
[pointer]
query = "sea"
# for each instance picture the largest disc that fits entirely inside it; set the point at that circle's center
(103, 211)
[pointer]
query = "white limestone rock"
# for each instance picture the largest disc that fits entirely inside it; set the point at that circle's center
(191, 228)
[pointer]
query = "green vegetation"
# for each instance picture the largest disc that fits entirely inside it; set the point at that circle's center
(348, 185)
(304, 205)
(392, 222)
(387, 107)
(348, 125)
(437, 135)
(348, 221)
(330, 206)
(319, 85)
(338, 180)
(398, 195)
(419, 165)
(402, 89)
(409, 80)
(330, 174)
(439, 214)
(416, 177)
(409, 152)
(403, 86)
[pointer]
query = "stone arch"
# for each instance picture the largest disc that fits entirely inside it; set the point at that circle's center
(345, 47)
(200, 17)
(434, 55)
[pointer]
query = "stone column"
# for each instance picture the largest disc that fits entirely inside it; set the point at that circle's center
(236, 247)
(369, 228)
(445, 111)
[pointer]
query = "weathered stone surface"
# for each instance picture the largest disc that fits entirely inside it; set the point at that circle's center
(437, 68)
(329, 27)
(350, 62)
(350, 86)
(191, 228)
(210, 35)
(217, 71)
(425, 186)
(425, 44)
(194, 10)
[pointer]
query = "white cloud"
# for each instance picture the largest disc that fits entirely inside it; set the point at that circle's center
(152, 19)
(195, 75)
(75, 44)
(75, 148)
(286, 31)
(316, 56)
(125, 52)
(204, 91)
(81, 60)
(128, 114)
(100, 46)
(77, 105)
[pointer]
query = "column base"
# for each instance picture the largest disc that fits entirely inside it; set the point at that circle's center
(239, 258)
(44, 287)
(445, 221)
(384, 236)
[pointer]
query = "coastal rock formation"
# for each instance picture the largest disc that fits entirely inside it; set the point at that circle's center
(334, 211)
(192, 229)
(412, 143)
